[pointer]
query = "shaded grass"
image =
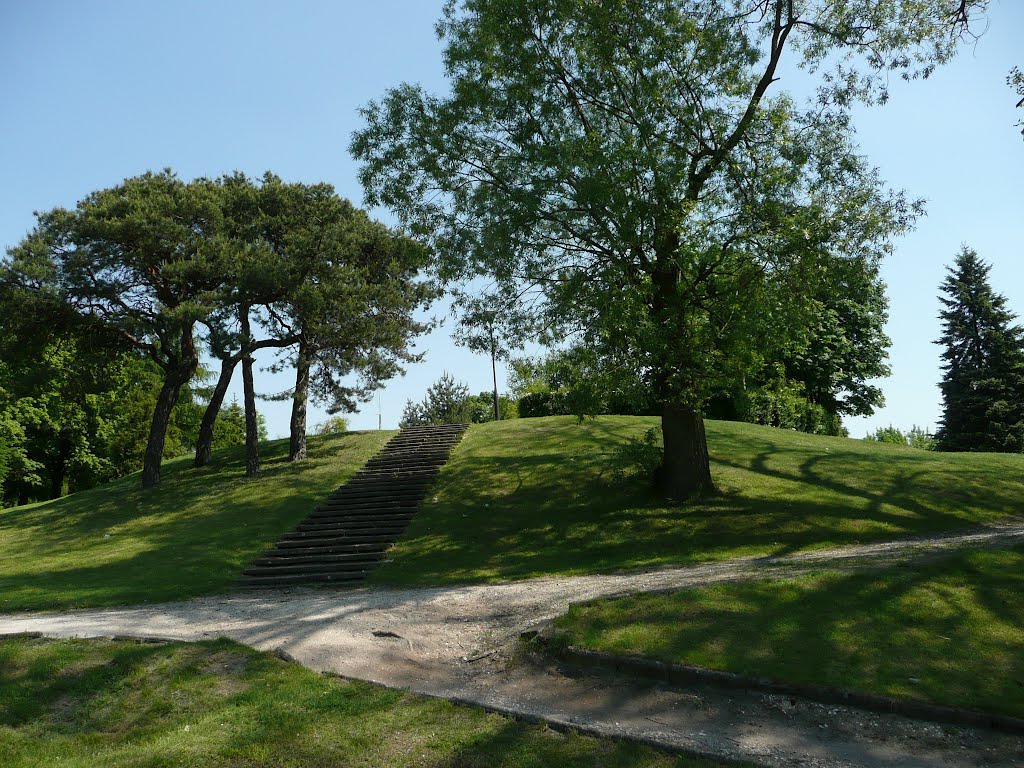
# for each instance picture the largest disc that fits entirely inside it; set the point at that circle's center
(101, 703)
(192, 535)
(530, 497)
(951, 632)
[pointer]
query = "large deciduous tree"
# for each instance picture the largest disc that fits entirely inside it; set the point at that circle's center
(983, 363)
(628, 169)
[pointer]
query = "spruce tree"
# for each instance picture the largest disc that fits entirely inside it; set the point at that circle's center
(983, 363)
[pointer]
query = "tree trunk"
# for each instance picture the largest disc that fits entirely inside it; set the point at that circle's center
(252, 435)
(494, 375)
(177, 372)
(58, 471)
(204, 446)
(297, 442)
(686, 469)
(158, 429)
(497, 402)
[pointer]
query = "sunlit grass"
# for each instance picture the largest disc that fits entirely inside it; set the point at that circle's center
(531, 497)
(99, 703)
(192, 535)
(951, 632)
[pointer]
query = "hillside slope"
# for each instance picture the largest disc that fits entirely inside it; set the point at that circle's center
(537, 496)
(192, 535)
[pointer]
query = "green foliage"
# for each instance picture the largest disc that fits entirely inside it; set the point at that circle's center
(915, 437)
(229, 429)
(983, 363)
(143, 265)
(784, 404)
(75, 406)
(15, 463)
(449, 402)
(633, 179)
(580, 381)
(444, 403)
(948, 632)
(313, 264)
(480, 408)
(335, 425)
(640, 456)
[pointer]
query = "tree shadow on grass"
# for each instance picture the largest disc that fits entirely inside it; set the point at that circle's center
(545, 505)
(192, 535)
(948, 632)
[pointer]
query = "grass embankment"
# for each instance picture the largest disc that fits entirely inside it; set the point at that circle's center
(530, 497)
(192, 535)
(102, 703)
(951, 632)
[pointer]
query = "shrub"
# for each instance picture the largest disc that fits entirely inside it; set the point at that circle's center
(783, 404)
(916, 437)
(641, 456)
(332, 426)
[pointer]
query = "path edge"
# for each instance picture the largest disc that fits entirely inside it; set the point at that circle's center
(677, 674)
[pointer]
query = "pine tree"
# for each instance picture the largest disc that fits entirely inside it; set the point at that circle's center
(444, 403)
(983, 384)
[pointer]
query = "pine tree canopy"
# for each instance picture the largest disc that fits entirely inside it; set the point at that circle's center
(983, 363)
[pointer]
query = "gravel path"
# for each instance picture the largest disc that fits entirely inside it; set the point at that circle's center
(460, 642)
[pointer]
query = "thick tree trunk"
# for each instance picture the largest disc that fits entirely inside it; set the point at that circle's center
(204, 446)
(158, 428)
(297, 442)
(177, 372)
(686, 470)
(252, 435)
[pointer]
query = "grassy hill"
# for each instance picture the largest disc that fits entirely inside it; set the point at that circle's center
(536, 496)
(520, 498)
(192, 535)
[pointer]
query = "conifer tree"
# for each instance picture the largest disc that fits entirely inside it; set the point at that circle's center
(983, 384)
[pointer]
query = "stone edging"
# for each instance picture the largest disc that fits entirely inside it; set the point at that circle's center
(685, 673)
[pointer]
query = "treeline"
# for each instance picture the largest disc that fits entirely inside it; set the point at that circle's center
(139, 279)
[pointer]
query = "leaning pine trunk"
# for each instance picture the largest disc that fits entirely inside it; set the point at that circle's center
(686, 469)
(252, 436)
(204, 446)
(297, 442)
(161, 418)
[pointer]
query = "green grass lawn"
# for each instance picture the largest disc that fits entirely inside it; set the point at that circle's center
(101, 703)
(192, 535)
(951, 632)
(530, 497)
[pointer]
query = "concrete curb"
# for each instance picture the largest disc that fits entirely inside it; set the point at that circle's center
(684, 673)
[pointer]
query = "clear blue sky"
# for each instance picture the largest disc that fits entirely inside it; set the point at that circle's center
(94, 92)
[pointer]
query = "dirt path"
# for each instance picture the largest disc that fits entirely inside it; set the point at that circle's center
(460, 642)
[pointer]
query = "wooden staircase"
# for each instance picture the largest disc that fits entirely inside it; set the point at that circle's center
(346, 537)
